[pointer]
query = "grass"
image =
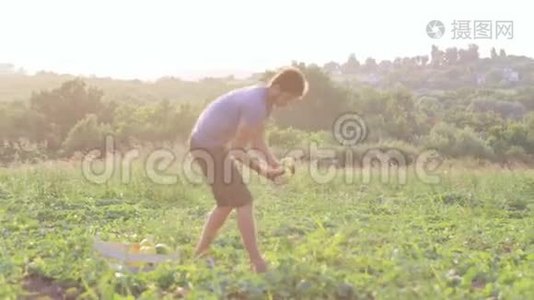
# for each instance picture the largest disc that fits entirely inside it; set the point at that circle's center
(469, 237)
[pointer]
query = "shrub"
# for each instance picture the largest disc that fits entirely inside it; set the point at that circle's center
(517, 153)
(454, 142)
(86, 135)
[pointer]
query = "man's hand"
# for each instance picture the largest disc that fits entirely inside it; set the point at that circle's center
(262, 168)
(273, 173)
(259, 144)
(259, 266)
(268, 166)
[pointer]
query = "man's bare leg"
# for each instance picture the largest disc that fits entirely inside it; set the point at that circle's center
(247, 227)
(214, 222)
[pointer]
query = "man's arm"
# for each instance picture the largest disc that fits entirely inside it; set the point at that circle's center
(259, 143)
(244, 137)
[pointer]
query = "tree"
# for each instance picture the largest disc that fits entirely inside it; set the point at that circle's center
(437, 56)
(468, 55)
(451, 56)
(506, 109)
(397, 62)
(86, 135)
(529, 120)
(417, 60)
(65, 106)
(351, 66)
(324, 102)
(385, 65)
(473, 52)
(370, 64)
(455, 142)
(408, 62)
(493, 53)
(183, 120)
(398, 114)
(424, 60)
(502, 53)
(332, 67)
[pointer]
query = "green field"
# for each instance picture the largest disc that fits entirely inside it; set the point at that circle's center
(469, 237)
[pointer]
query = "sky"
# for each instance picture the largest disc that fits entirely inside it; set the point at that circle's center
(151, 39)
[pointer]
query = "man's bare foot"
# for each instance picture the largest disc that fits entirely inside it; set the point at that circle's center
(199, 254)
(259, 266)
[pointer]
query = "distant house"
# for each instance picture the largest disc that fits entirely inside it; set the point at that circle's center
(510, 75)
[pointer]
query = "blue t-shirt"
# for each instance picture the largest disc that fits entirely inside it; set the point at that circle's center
(218, 123)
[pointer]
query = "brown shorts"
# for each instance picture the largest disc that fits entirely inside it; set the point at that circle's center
(220, 170)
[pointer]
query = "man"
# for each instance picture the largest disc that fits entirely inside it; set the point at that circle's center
(233, 122)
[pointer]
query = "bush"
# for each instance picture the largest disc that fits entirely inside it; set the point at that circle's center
(291, 138)
(21, 151)
(454, 142)
(469, 144)
(398, 151)
(86, 135)
(517, 153)
(442, 137)
(286, 138)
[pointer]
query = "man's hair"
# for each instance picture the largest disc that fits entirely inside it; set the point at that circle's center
(290, 80)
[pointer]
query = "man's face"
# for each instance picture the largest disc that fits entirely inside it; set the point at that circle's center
(280, 98)
(283, 99)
